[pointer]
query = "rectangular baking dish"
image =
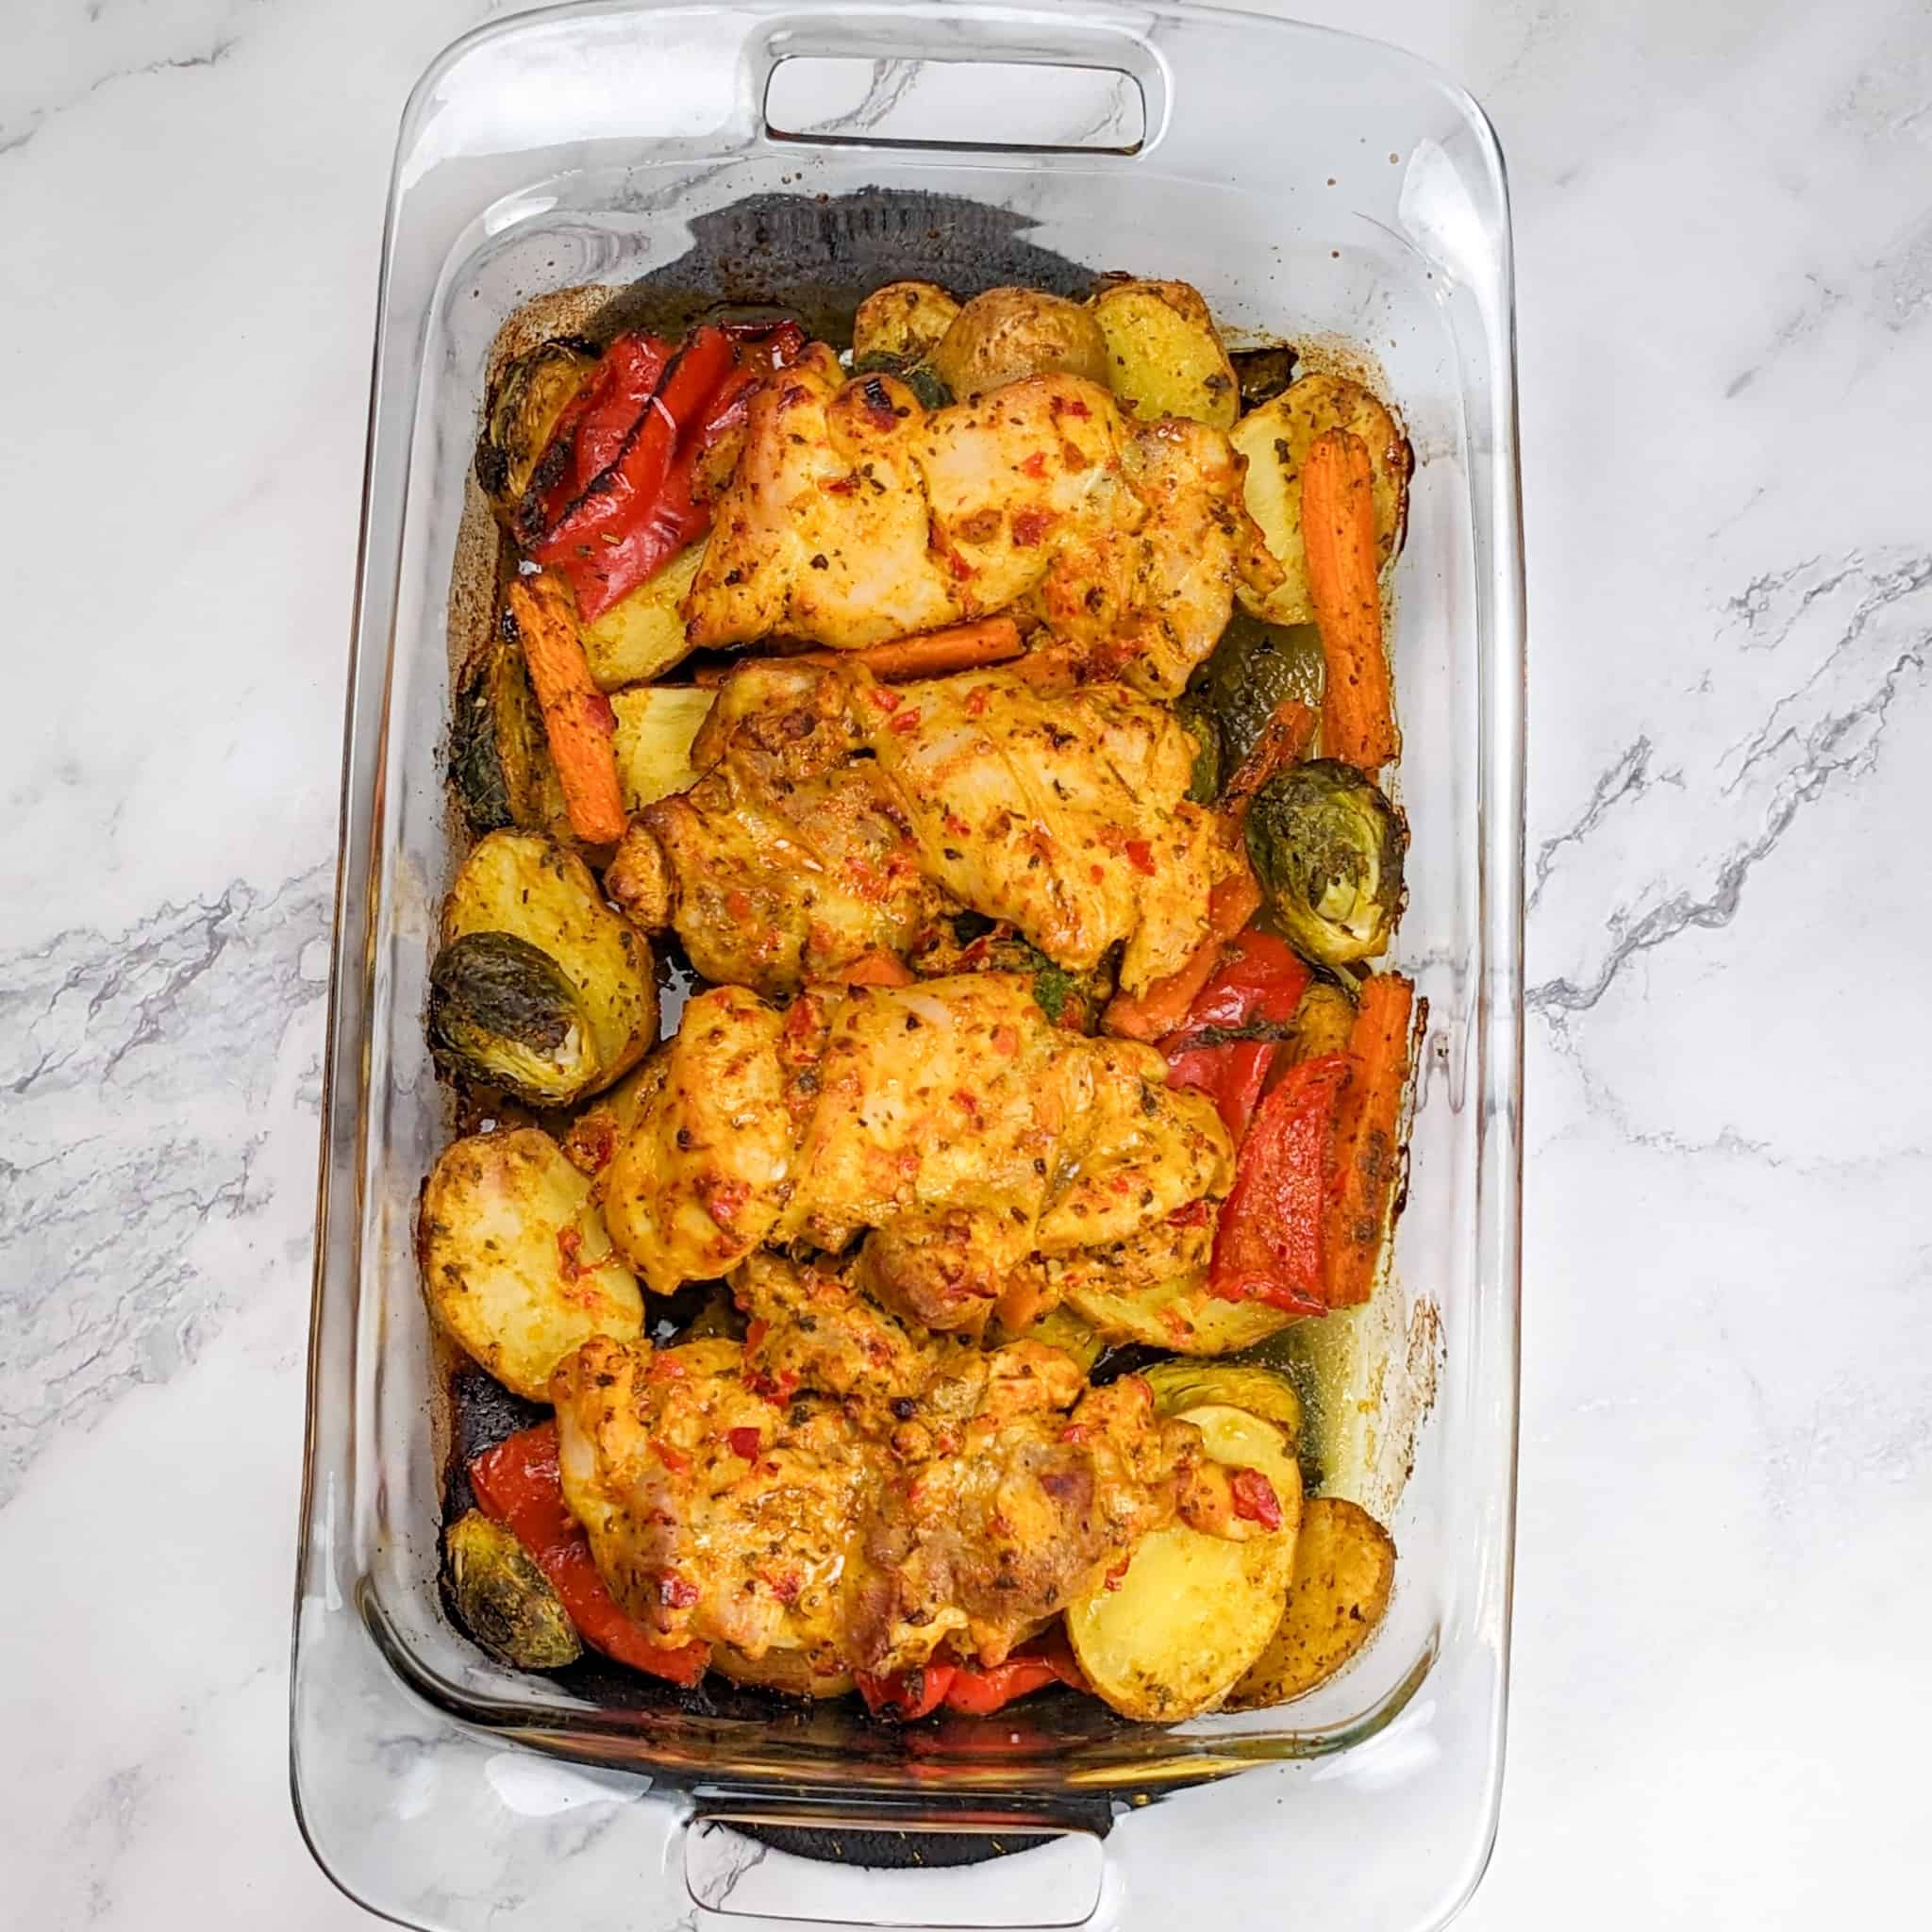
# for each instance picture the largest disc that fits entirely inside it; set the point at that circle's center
(1313, 186)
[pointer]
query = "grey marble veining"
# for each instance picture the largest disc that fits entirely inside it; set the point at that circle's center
(1724, 248)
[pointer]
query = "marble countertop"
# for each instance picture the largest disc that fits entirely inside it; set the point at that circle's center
(1725, 256)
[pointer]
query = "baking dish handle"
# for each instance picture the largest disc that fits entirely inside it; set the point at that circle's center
(1049, 1868)
(964, 35)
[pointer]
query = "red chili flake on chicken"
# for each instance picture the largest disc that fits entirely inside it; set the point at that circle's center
(1005, 1039)
(785, 1586)
(841, 486)
(886, 700)
(975, 702)
(904, 722)
(676, 1592)
(673, 1459)
(1255, 1499)
(1140, 855)
(725, 1200)
(1034, 465)
(1118, 1575)
(745, 1444)
(569, 1241)
(756, 1330)
(1193, 1214)
(968, 1103)
(594, 1140)
(1097, 873)
(1029, 527)
(738, 904)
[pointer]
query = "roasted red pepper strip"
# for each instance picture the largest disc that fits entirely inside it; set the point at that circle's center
(516, 1485)
(1268, 1247)
(979, 1691)
(1233, 1075)
(907, 1695)
(627, 380)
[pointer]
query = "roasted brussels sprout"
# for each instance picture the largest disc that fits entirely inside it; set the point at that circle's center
(531, 392)
(1263, 374)
(502, 1598)
(1181, 1314)
(1164, 354)
(1195, 709)
(1324, 1020)
(539, 987)
(1179, 1386)
(1327, 848)
(1253, 666)
(499, 760)
(1008, 334)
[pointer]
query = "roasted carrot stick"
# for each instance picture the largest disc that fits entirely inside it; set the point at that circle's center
(1285, 737)
(1367, 1157)
(577, 718)
(1339, 534)
(1157, 1012)
(898, 660)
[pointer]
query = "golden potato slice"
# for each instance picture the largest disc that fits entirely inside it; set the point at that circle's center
(516, 1261)
(1276, 438)
(905, 320)
(1345, 1567)
(656, 726)
(1008, 334)
(1165, 357)
(789, 1671)
(642, 636)
(1177, 1315)
(1193, 1611)
(1262, 1391)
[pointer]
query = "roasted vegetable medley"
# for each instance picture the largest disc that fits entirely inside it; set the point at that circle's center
(991, 712)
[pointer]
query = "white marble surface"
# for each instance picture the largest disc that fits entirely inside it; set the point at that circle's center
(1724, 235)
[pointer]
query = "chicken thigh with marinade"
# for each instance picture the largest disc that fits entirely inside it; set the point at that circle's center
(856, 515)
(835, 816)
(950, 1123)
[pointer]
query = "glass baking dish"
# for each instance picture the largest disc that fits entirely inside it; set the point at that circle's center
(1314, 186)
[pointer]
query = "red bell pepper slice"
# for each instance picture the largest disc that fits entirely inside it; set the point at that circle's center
(518, 1485)
(1260, 982)
(1269, 1246)
(1233, 1075)
(907, 1695)
(627, 380)
(978, 1691)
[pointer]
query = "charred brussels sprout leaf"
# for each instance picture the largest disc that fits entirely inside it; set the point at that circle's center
(1327, 848)
(499, 760)
(503, 1600)
(1195, 709)
(917, 375)
(1253, 668)
(529, 395)
(1263, 374)
(501, 1009)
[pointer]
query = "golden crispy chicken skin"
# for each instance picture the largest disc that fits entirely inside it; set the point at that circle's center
(856, 515)
(952, 1117)
(835, 815)
(723, 1506)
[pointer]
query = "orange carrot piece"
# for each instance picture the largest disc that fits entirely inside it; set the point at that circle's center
(1282, 740)
(1366, 1153)
(1157, 1012)
(898, 660)
(877, 968)
(577, 718)
(1339, 534)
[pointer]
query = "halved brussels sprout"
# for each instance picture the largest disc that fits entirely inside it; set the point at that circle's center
(1327, 849)
(1253, 668)
(503, 1600)
(1195, 708)
(917, 375)
(539, 987)
(1179, 1386)
(1324, 1020)
(531, 392)
(499, 759)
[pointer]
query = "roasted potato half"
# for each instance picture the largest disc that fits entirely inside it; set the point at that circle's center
(503, 1600)
(789, 1671)
(904, 321)
(1008, 334)
(1165, 356)
(1193, 1611)
(1345, 1568)
(1178, 1314)
(655, 727)
(539, 987)
(1276, 438)
(516, 1260)
(642, 636)
(1180, 1386)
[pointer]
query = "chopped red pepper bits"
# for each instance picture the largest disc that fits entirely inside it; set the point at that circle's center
(1255, 1499)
